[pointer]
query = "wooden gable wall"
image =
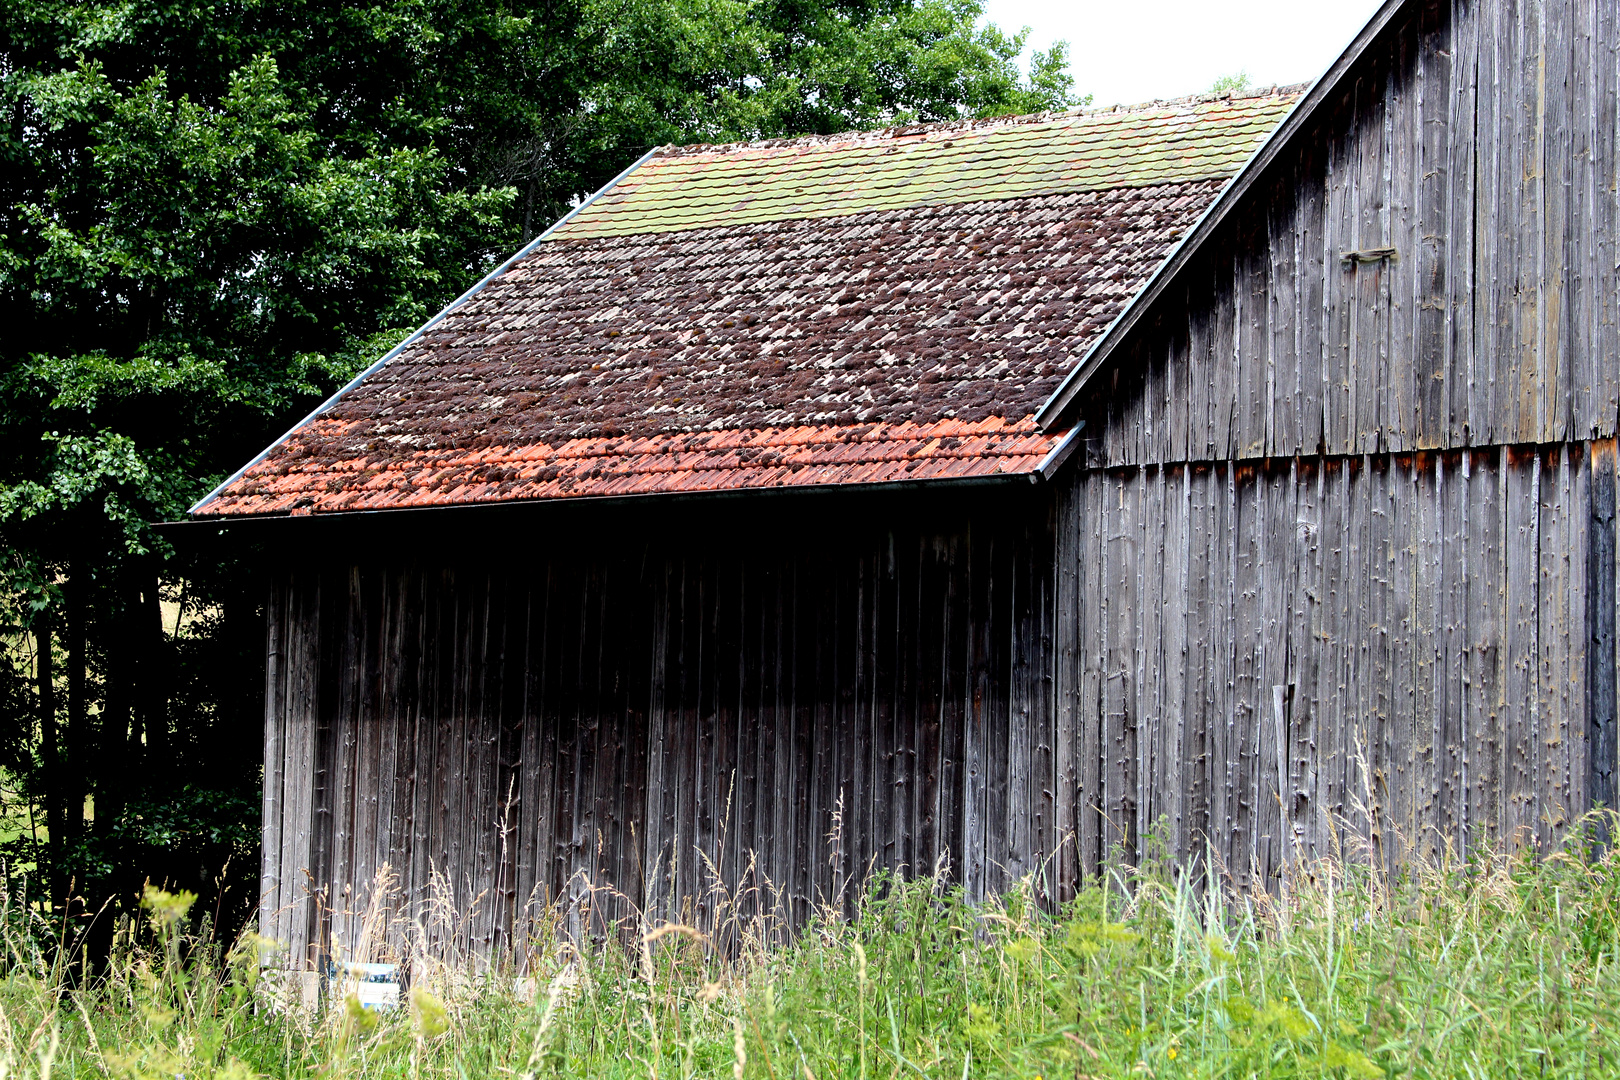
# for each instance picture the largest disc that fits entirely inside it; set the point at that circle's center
(1478, 142)
(1336, 567)
(600, 727)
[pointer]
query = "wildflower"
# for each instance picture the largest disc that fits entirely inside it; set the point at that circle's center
(1171, 1053)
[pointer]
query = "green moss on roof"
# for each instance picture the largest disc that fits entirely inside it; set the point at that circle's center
(698, 187)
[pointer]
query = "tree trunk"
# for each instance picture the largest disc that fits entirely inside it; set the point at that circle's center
(76, 759)
(114, 762)
(50, 760)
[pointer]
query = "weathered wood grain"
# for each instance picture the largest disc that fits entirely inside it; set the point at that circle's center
(1422, 612)
(1600, 628)
(618, 730)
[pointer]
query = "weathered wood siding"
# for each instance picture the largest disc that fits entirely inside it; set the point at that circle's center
(1279, 658)
(784, 707)
(1479, 141)
(1332, 509)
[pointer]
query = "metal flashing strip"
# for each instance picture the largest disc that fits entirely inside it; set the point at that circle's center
(1052, 412)
(522, 253)
(1059, 453)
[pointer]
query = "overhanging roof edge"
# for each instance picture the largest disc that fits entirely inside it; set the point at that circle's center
(1051, 414)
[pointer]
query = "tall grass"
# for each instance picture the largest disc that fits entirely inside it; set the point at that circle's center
(1504, 966)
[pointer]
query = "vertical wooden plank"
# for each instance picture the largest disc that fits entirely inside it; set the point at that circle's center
(1369, 330)
(1174, 772)
(1147, 539)
(1402, 762)
(1021, 793)
(299, 835)
(390, 709)
(343, 765)
(1601, 224)
(271, 824)
(1284, 234)
(953, 712)
(1183, 367)
(1585, 281)
(1462, 312)
(808, 837)
(1069, 629)
(369, 780)
(1332, 715)
(1255, 384)
(1526, 220)
(1222, 743)
(1226, 404)
(1203, 622)
(1555, 382)
(1311, 263)
(1309, 647)
(1432, 365)
(1492, 350)
(859, 717)
(1453, 563)
(1119, 605)
(1242, 750)
(1397, 404)
(1043, 688)
(1371, 674)
(1203, 349)
(1600, 590)
(530, 669)
(1426, 542)
(326, 656)
(1483, 684)
(890, 825)
(1094, 569)
(977, 720)
(1339, 303)
(1560, 641)
(1522, 728)
(1277, 515)
(712, 779)
(772, 830)
(1493, 623)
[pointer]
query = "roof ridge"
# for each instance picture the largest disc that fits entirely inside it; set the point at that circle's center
(949, 127)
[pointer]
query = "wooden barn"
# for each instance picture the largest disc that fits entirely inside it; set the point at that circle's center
(986, 495)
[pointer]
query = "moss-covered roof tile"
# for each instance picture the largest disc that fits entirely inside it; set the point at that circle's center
(978, 161)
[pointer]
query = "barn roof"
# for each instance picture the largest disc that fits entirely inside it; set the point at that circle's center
(856, 309)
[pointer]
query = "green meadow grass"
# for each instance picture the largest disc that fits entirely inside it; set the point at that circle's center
(1504, 967)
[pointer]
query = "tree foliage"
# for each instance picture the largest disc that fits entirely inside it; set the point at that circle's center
(213, 212)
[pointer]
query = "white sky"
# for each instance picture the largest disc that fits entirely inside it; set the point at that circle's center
(1129, 51)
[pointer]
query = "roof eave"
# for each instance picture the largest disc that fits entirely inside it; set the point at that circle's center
(953, 483)
(1052, 414)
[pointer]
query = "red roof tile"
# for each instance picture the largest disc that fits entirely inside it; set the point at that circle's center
(908, 343)
(803, 456)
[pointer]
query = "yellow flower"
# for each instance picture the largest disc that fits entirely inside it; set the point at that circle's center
(1172, 1054)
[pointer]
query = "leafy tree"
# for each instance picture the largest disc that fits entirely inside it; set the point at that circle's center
(213, 213)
